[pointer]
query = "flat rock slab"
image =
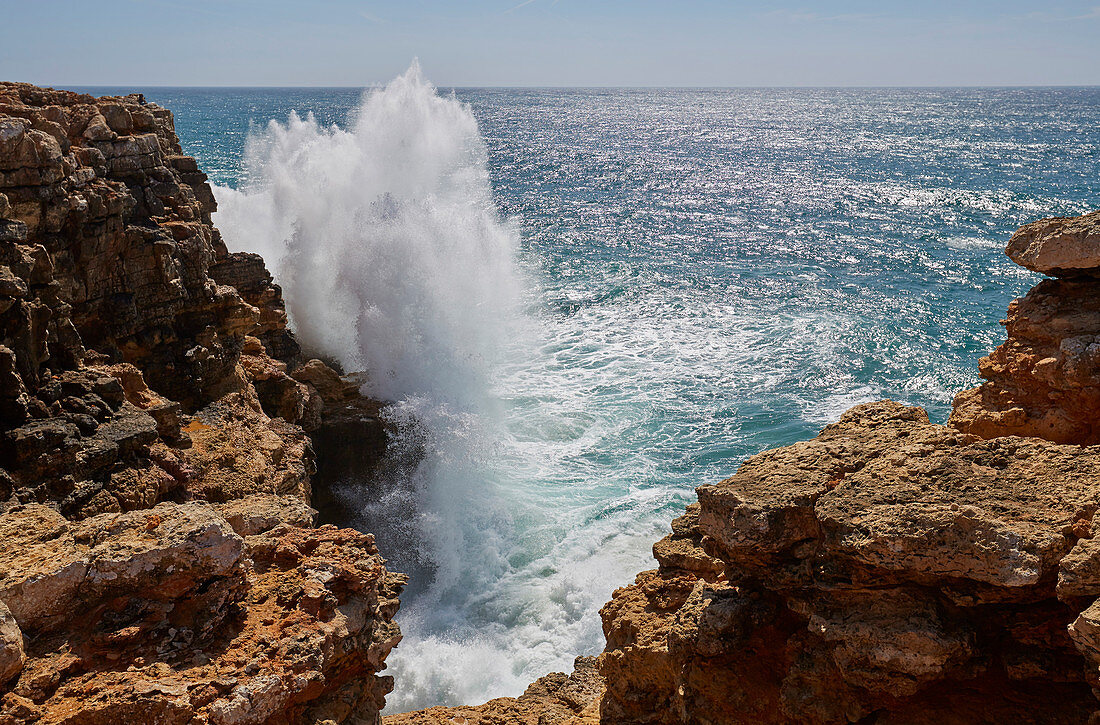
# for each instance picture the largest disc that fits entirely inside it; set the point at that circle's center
(884, 493)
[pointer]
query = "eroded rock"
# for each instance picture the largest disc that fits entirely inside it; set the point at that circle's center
(158, 560)
(1061, 246)
(556, 699)
(887, 566)
(1044, 381)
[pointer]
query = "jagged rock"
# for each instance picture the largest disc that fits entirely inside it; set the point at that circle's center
(1044, 381)
(248, 275)
(260, 513)
(157, 554)
(180, 620)
(236, 451)
(281, 396)
(127, 237)
(682, 549)
(54, 573)
(880, 567)
(327, 382)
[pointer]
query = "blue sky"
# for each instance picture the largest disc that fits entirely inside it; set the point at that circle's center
(550, 42)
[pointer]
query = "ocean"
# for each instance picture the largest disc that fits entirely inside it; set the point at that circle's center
(591, 301)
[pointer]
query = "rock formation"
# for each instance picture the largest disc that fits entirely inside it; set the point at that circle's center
(892, 570)
(159, 559)
(556, 699)
(1044, 380)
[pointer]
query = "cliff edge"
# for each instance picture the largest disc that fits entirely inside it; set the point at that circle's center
(158, 555)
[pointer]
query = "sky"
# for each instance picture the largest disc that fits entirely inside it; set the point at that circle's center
(550, 42)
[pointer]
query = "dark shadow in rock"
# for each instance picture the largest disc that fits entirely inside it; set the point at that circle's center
(367, 478)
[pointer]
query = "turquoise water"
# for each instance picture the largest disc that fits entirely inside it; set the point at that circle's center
(704, 274)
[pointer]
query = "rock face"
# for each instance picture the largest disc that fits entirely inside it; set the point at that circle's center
(158, 559)
(1060, 247)
(1045, 379)
(892, 570)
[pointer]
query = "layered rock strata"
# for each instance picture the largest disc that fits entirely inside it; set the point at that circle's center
(159, 561)
(1044, 380)
(892, 570)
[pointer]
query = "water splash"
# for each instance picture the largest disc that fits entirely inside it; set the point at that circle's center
(386, 239)
(394, 260)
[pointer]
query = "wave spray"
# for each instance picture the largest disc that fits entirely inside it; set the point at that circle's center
(395, 260)
(385, 239)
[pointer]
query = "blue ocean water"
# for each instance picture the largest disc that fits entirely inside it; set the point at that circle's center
(707, 274)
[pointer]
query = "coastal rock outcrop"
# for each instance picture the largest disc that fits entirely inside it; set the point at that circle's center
(159, 559)
(1060, 246)
(893, 570)
(1044, 380)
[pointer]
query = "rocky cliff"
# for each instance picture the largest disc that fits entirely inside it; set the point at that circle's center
(1045, 380)
(892, 570)
(159, 561)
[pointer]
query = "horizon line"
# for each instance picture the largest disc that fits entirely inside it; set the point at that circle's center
(577, 87)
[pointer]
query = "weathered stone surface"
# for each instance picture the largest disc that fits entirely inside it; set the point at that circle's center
(54, 573)
(280, 395)
(259, 513)
(12, 655)
(1044, 381)
(556, 699)
(1061, 246)
(236, 450)
(249, 276)
(182, 621)
(156, 544)
(877, 568)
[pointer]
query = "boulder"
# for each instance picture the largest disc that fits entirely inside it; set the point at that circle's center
(12, 655)
(1059, 246)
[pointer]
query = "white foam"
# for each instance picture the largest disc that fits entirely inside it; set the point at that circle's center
(394, 260)
(385, 238)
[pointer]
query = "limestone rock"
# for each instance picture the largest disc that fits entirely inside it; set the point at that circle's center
(236, 451)
(556, 699)
(1060, 247)
(1044, 381)
(157, 554)
(259, 513)
(54, 573)
(887, 566)
(182, 621)
(12, 655)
